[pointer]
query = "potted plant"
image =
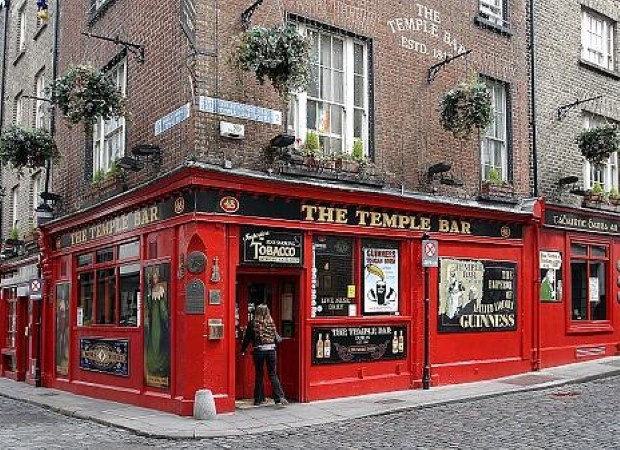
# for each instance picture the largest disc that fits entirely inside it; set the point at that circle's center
(465, 108)
(494, 186)
(85, 94)
(613, 196)
(13, 238)
(27, 147)
(97, 178)
(279, 54)
(599, 143)
(596, 194)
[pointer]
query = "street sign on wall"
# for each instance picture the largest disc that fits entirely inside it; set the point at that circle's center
(430, 253)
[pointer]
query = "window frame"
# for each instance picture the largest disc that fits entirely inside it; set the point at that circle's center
(576, 326)
(95, 268)
(297, 118)
(18, 109)
(609, 169)
(36, 187)
(21, 29)
(14, 209)
(104, 131)
(40, 104)
(608, 38)
(505, 165)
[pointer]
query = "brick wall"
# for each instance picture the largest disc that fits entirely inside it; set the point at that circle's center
(21, 70)
(562, 79)
(408, 138)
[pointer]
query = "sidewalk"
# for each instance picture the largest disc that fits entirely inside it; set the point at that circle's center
(148, 422)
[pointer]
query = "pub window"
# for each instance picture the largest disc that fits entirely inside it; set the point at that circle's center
(109, 291)
(333, 277)
(589, 282)
(11, 328)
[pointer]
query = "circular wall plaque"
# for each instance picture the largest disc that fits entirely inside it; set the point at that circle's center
(196, 262)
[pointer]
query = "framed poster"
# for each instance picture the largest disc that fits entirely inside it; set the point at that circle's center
(477, 295)
(380, 279)
(157, 325)
(550, 276)
(62, 329)
(109, 356)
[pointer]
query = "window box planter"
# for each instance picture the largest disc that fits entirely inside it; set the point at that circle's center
(501, 192)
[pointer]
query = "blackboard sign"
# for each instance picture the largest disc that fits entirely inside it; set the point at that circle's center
(105, 355)
(266, 246)
(477, 295)
(357, 344)
(333, 306)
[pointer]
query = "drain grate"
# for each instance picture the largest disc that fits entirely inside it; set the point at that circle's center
(390, 401)
(48, 394)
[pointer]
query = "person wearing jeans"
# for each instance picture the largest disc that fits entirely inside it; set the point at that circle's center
(262, 333)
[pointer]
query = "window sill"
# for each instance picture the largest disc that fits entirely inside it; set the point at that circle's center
(610, 73)
(19, 57)
(97, 13)
(39, 31)
(489, 25)
(590, 327)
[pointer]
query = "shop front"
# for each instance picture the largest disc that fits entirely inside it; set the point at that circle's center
(579, 292)
(148, 296)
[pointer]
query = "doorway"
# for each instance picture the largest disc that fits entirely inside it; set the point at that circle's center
(281, 294)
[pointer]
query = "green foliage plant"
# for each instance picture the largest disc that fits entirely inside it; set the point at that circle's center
(114, 172)
(597, 188)
(98, 178)
(27, 147)
(599, 143)
(278, 54)
(312, 146)
(357, 152)
(494, 177)
(85, 94)
(466, 108)
(14, 234)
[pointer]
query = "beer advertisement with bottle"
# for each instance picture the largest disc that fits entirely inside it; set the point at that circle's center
(380, 293)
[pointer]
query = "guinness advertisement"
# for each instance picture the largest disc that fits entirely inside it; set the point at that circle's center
(105, 355)
(477, 295)
(580, 222)
(358, 344)
(266, 246)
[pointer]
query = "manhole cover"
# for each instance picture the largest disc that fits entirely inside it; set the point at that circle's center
(529, 380)
(565, 393)
(390, 401)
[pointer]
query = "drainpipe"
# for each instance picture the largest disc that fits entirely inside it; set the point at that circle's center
(533, 102)
(4, 54)
(54, 76)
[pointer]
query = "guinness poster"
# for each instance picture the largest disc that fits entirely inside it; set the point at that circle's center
(380, 279)
(357, 344)
(271, 247)
(477, 296)
(105, 355)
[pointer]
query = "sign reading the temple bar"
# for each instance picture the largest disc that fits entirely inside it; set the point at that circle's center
(477, 295)
(356, 344)
(271, 247)
(105, 355)
(572, 221)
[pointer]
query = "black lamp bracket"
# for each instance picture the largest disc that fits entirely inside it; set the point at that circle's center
(136, 49)
(33, 97)
(246, 16)
(564, 109)
(436, 68)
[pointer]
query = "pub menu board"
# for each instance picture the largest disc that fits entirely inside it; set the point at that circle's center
(477, 296)
(265, 246)
(333, 287)
(335, 345)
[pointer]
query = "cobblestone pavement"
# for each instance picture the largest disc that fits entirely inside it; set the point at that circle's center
(582, 416)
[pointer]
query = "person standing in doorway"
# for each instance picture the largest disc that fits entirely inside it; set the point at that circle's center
(262, 333)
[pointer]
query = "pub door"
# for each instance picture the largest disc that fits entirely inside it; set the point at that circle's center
(281, 295)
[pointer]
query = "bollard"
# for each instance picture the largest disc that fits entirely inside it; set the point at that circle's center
(204, 405)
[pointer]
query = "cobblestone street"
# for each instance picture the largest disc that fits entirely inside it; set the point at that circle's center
(576, 416)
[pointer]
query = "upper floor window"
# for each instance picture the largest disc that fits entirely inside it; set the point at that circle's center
(495, 139)
(37, 188)
(597, 39)
(493, 11)
(20, 43)
(605, 174)
(109, 135)
(40, 105)
(15, 207)
(335, 107)
(18, 109)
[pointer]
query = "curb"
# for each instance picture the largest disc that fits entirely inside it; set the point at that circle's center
(81, 415)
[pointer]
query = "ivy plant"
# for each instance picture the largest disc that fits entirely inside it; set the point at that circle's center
(27, 147)
(278, 54)
(599, 143)
(85, 94)
(466, 108)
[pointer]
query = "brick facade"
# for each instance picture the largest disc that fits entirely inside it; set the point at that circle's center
(407, 135)
(562, 77)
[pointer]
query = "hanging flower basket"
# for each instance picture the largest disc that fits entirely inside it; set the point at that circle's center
(27, 148)
(465, 108)
(279, 54)
(85, 94)
(599, 143)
